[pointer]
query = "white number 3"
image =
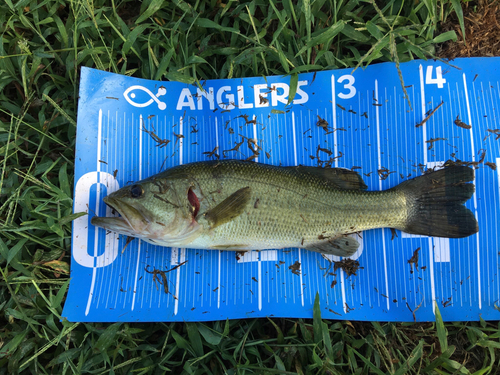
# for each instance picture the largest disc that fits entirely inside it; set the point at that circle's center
(349, 86)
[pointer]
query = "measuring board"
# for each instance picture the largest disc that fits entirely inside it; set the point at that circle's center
(130, 129)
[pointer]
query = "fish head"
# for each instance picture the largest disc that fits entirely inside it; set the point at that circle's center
(157, 210)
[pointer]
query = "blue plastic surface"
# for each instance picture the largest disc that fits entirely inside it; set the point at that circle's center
(362, 118)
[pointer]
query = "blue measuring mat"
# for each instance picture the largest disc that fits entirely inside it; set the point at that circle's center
(129, 129)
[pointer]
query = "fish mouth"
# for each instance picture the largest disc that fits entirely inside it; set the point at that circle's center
(131, 221)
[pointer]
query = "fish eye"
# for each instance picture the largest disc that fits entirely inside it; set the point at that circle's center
(136, 191)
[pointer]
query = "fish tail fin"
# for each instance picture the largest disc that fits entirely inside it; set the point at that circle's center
(436, 203)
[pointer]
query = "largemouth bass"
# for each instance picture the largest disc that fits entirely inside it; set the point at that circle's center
(238, 205)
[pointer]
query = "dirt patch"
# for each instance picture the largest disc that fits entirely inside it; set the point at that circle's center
(349, 266)
(295, 268)
(413, 261)
(482, 31)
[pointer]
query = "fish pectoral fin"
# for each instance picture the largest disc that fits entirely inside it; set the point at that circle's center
(341, 177)
(341, 246)
(229, 209)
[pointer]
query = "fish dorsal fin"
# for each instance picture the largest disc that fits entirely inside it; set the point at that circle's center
(341, 177)
(341, 246)
(229, 209)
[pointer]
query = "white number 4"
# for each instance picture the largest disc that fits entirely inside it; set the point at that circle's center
(439, 80)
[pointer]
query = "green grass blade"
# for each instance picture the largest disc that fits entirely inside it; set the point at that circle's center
(457, 7)
(195, 339)
(317, 327)
(442, 333)
(107, 338)
(323, 37)
(153, 7)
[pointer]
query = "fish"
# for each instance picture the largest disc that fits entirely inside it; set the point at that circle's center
(244, 205)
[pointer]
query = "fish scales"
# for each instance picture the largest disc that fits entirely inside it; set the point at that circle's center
(294, 208)
(239, 205)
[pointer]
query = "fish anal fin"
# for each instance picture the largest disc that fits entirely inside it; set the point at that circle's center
(341, 177)
(340, 246)
(229, 209)
(236, 247)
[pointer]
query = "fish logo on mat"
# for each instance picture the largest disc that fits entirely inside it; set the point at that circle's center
(129, 95)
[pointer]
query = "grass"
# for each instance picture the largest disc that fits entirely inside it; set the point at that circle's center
(42, 46)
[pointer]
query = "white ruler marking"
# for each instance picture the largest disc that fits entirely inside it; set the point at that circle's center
(98, 194)
(498, 181)
(112, 264)
(334, 114)
(379, 156)
(162, 294)
(460, 262)
(474, 196)
(219, 255)
(335, 150)
(125, 286)
(139, 243)
(424, 137)
(259, 261)
(498, 174)
(122, 163)
(180, 252)
(296, 163)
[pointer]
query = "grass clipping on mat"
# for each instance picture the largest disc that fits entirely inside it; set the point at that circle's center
(43, 45)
